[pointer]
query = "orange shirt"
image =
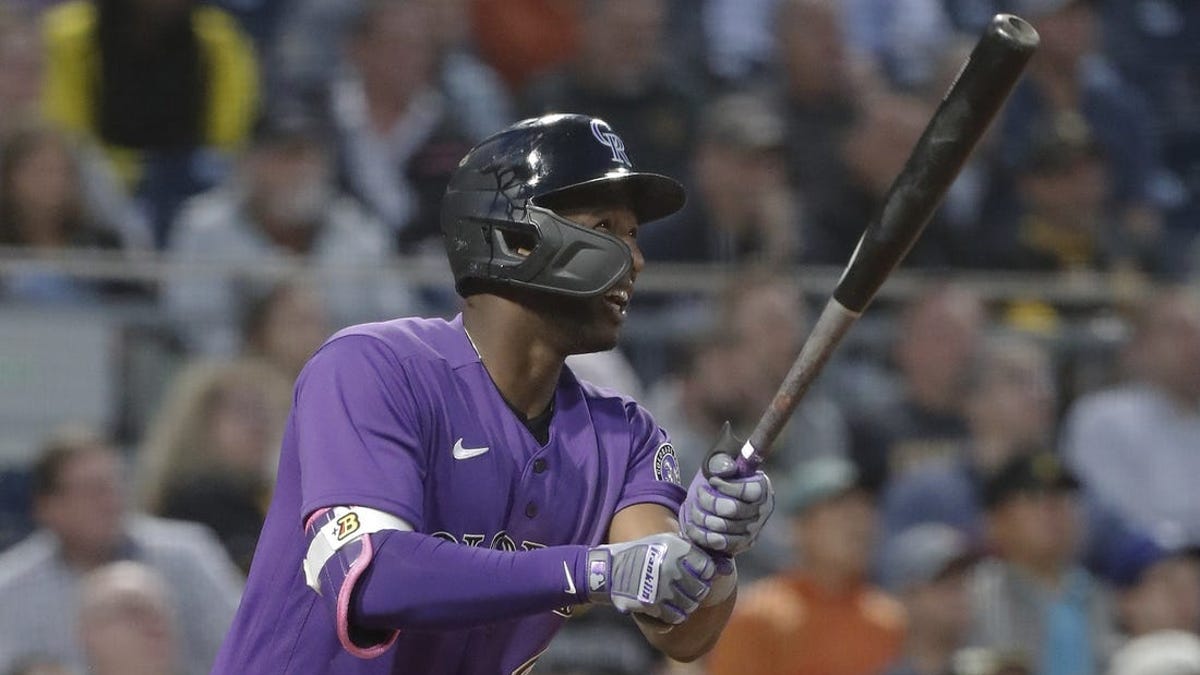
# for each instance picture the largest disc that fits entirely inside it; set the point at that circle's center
(786, 625)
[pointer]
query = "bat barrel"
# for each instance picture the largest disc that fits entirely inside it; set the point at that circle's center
(973, 100)
(961, 119)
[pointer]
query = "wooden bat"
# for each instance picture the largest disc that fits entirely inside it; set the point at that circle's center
(973, 100)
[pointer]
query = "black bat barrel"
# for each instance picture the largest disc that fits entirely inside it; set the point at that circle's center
(969, 106)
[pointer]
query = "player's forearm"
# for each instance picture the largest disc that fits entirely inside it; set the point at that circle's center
(693, 638)
(420, 582)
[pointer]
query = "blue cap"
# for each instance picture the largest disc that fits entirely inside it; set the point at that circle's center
(1129, 555)
(818, 480)
(922, 554)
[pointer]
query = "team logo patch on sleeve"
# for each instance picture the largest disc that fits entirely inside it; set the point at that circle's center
(666, 464)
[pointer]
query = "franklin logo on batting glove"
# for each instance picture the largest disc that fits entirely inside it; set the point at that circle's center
(663, 576)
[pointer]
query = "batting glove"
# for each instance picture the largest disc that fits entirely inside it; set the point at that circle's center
(663, 576)
(724, 513)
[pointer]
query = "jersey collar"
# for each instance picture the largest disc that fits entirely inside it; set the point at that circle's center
(459, 349)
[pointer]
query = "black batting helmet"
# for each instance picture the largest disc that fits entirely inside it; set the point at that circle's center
(497, 217)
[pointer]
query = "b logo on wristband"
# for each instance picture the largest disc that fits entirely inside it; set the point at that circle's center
(347, 525)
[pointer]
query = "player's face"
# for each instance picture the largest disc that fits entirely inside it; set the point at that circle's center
(594, 324)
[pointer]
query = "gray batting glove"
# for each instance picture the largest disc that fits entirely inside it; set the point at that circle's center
(663, 576)
(724, 513)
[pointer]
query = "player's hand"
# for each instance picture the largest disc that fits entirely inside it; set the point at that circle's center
(724, 513)
(663, 576)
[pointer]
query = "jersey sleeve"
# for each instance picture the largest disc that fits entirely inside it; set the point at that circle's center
(653, 474)
(358, 431)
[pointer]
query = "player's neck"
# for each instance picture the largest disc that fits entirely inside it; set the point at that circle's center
(514, 350)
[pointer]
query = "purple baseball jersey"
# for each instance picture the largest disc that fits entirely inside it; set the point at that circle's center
(401, 416)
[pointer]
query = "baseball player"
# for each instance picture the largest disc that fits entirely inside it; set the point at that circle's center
(448, 492)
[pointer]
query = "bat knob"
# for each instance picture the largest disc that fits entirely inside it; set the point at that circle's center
(1015, 31)
(725, 459)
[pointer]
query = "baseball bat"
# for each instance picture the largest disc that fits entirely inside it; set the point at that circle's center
(968, 108)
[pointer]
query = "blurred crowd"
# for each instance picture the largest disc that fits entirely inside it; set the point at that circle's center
(972, 488)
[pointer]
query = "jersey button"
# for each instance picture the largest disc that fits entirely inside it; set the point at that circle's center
(539, 465)
(531, 510)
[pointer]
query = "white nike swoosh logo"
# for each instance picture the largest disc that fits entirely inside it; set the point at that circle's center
(570, 580)
(467, 453)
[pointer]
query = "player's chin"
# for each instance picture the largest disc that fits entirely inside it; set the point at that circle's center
(602, 329)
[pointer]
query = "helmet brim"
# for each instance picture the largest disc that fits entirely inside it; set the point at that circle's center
(651, 196)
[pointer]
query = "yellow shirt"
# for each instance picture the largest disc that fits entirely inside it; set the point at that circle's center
(72, 77)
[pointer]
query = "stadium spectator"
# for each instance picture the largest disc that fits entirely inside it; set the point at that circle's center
(284, 207)
(475, 90)
(126, 622)
(733, 40)
(1069, 76)
(865, 163)
(21, 66)
(906, 38)
(43, 208)
(83, 525)
(1157, 583)
(22, 71)
(1009, 403)
(209, 455)
(735, 372)
(822, 617)
(822, 89)
(311, 54)
(620, 75)
(1064, 219)
(40, 195)
(166, 87)
(399, 137)
(926, 567)
(523, 39)
(1156, 46)
(1032, 597)
(285, 325)
(1163, 653)
(742, 209)
(918, 416)
(1137, 446)
(694, 402)
(818, 81)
